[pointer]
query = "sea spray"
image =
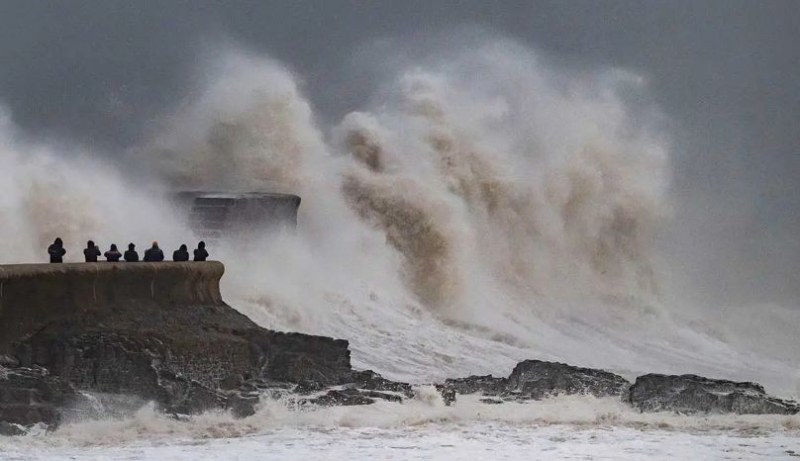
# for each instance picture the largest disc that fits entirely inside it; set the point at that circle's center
(47, 192)
(484, 208)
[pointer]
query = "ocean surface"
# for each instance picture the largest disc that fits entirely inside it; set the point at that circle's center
(561, 428)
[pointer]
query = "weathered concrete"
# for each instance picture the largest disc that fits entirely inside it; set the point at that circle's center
(34, 295)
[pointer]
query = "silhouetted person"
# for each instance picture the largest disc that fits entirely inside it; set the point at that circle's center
(91, 252)
(181, 254)
(153, 254)
(200, 254)
(113, 255)
(56, 251)
(131, 255)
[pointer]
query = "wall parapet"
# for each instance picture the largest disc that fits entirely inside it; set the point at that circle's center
(34, 294)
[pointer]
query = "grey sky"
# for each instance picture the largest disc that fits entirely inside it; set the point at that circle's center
(725, 72)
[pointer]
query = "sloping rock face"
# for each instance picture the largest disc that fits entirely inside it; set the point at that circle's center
(156, 330)
(690, 394)
(536, 379)
(31, 396)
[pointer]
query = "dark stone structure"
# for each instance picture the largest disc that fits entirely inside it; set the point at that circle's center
(690, 394)
(485, 385)
(536, 380)
(686, 394)
(237, 216)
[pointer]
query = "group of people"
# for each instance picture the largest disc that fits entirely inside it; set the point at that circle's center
(152, 254)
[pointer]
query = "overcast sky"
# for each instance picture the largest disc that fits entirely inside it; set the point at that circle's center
(726, 73)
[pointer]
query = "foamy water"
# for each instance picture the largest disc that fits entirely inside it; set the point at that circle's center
(484, 208)
(580, 427)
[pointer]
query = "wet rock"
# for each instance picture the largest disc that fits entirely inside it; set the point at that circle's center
(9, 429)
(159, 331)
(31, 396)
(344, 397)
(690, 394)
(352, 396)
(448, 394)
(8, 361)
(102, 405)
(485, 385)
(389, 397)
(369, 380)
(536, 379)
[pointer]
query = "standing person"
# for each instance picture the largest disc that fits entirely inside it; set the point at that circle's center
(56, 251)
(91, 252)
(200, 254)
(153, 254)
(181, 254)
(131, 255)
(113, 255)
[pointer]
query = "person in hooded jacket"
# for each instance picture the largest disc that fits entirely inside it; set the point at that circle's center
(91, 252)
(131, 255)
(113, 255)
(200, 253)
(153, 254)
(181, 254)
(56, 251)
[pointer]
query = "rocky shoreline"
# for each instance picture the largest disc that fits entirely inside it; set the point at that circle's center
(162, 333)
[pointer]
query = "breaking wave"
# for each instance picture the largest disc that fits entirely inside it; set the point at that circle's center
(486, 208)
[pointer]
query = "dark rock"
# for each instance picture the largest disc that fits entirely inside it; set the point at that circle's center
(102, 405)
(344, 397)
(383, 396)
(448, 394)
(160, 331)
(243, 405)
(364, 387)
(535, 379)
(485, 385)
(352, 396)
(690, 394)
(11, 430)
(305, 387)
(31, 396)
(370, 380)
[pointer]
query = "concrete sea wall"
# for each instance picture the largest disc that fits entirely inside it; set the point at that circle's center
(32, 295)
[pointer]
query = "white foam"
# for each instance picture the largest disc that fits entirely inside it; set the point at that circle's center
(568, 423)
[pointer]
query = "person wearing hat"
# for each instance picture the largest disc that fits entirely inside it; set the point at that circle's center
(56, 251)
(113, 255)
(153, 254)
(131, 255)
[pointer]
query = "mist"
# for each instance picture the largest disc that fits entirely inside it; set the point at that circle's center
(472, 191)
(103, 75)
